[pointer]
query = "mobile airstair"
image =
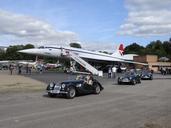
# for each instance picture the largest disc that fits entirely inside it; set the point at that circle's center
(82, 62)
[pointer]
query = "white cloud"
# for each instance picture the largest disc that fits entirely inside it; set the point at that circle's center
(147, 18)
(29, 29)
(100, 46)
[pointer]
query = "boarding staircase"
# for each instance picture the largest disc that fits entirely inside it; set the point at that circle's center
(82, 62)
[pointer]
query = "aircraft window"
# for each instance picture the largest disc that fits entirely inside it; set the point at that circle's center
(49, 47)
(41, 47)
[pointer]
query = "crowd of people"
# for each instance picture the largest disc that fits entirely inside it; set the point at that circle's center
(165, 70)
(20, 69)
(112, 72)
(23, 69)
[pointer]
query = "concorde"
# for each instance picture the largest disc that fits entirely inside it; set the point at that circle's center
(59, 51)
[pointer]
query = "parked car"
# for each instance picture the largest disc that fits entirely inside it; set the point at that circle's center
(146, 75)
(74, 87)
(3, 67)
(129, 78)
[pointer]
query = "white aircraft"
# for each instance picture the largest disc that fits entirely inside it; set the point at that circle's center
(52, 65)
(27, 62)
(58, 51)
(4, 61)
(79, 55)
(31, 64)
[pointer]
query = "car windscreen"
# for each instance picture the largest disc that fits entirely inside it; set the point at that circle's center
(129, 73)
(145, 72)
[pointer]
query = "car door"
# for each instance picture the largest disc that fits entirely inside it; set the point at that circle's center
(87, 88)
(81, 87)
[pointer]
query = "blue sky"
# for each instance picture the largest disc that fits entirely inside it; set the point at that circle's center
(94, 23)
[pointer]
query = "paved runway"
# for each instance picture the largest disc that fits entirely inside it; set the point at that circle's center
(118, 106)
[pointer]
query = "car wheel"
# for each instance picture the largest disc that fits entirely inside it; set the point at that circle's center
(119, 81)
(71, 93)
(97, 89)
(133, 82)
(139, 81)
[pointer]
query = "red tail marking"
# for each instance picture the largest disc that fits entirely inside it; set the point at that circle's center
(121, 49)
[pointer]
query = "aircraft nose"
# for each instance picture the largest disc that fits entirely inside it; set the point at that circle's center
(28, 51)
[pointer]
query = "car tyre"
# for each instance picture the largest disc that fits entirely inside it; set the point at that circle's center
(119, 82)
(71, 93)
(133, 82)
(139, 81)
(97, 89)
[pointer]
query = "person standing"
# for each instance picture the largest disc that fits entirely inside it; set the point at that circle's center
(109, 72)
(19, 69)
(11, 68)
(41, 69)
(27, 68)
(114, 71)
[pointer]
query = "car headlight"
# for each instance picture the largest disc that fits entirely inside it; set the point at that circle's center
(130, 78)
(79, 85)
(63, 85)
(51, 84)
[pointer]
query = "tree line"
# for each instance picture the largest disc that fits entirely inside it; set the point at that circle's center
(159, 48)
(12, 53)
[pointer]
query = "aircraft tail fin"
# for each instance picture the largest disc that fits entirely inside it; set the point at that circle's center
(119, 51)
